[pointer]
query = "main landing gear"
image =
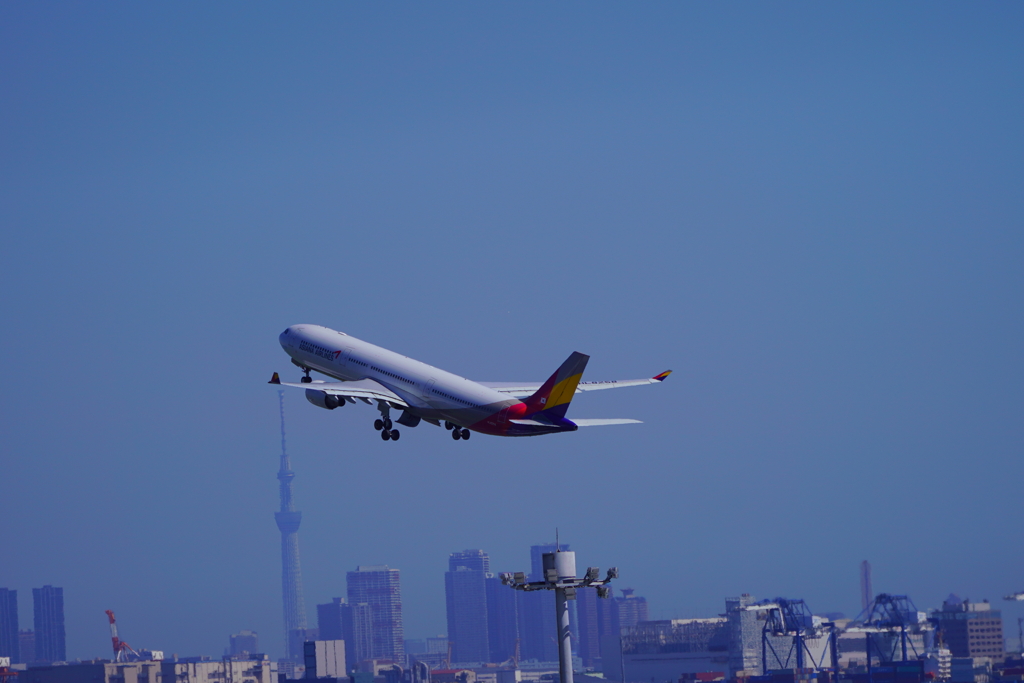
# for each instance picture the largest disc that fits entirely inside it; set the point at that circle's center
(457, 432)
(383, 424)
(386, 432)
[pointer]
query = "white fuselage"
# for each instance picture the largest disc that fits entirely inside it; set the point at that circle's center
(431, 391)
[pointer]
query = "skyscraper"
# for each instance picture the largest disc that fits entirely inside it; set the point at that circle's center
(375, 598)
(9, 625)
(288, 520)
(465, 590)
(48, 616)
(502, 620)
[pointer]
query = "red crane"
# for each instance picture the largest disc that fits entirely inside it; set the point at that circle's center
(121, 648)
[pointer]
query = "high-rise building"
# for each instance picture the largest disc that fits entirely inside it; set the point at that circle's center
(334, 622)
(465, 590)
(288, 520)
(9, 625)
(330, 620)
(244, 642)
(375, 597)
(502, 620)
(970, 629)
(630, 609)
(589, 612)
(48, 617)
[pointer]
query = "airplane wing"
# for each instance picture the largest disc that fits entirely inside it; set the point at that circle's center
(599, 422)
(365, 389)
(526, 389)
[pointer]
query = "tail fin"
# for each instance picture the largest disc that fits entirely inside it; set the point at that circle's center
(554, 396)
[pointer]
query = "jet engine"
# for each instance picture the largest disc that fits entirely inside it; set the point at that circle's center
(322, 399)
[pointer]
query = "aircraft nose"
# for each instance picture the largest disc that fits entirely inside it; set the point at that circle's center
(285, 338)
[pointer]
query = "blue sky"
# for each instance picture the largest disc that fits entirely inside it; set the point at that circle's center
(811, 213)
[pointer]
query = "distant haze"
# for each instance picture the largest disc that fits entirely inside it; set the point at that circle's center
(812, 213)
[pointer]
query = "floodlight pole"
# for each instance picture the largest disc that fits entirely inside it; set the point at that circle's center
(560, 576)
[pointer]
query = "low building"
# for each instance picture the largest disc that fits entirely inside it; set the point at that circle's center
(970, 629)
(249, 671)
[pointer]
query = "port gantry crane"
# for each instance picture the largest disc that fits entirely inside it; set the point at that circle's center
(793, 619)
(121, 648)
(890, 614)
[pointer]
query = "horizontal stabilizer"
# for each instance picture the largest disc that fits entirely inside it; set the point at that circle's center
(598, 422)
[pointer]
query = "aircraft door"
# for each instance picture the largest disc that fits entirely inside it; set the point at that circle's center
(428, 390)
(344, 357)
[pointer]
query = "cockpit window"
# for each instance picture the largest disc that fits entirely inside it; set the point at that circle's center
(287, 330)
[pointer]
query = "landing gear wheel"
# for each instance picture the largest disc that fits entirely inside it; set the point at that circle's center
(395, 434)
(385, 434)
(448, 425)
(378, 424)
(387, 423)
(465, 434)
(456, 434)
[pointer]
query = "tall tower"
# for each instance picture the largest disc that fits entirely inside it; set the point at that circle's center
(866, 596)
(288, 520)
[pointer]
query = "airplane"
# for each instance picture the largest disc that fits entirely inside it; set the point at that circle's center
(424, 393)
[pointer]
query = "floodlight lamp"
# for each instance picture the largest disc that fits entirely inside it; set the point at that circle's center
(604, 591)
(551, 575)
(592, 574)
(613, 573)
(506, 578)
(519, 577)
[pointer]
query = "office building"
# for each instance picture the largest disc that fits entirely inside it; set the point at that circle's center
(375, 594)
(502, 620)
(338, 620)
(330, 620)
(630, 609)
(325, 659)
(244, 643)
(27, 646)
(596, 619)
(48, 618)
(970, 629)
(9, 625)
(465, 590)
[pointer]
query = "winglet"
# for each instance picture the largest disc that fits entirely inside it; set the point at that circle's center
(661, 377)
(276, 379)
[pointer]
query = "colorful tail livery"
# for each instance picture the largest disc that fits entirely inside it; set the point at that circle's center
(364, 373)
(553, 397)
